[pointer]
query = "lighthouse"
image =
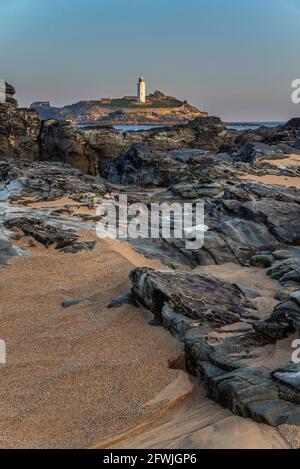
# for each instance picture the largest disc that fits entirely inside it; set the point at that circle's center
(141, 90)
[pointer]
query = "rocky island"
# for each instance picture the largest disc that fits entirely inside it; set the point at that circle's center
(153, 109)
(145, 335)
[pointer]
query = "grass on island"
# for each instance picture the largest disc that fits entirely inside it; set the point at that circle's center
(116, 103)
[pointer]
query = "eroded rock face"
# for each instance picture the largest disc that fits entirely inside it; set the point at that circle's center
(19, 129)
(217, 325)
(246, 225)
(6, 250)
(48, 181)
(186, 172)
(60, 141)
(205, 300)
(284, 320)
(252, 151)
(205, 133)
(23, 135)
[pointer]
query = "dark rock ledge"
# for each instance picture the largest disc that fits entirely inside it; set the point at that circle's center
(224, 340)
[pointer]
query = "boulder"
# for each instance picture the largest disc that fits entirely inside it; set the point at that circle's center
(215, 322)
(7, 251)
(60, 141)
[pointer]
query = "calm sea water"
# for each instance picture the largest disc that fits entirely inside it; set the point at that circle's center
(240, 126)
(125, 128)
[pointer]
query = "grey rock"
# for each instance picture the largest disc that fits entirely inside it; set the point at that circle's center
(273, 412)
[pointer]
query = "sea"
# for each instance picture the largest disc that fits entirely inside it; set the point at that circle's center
(239, 126)
(242, 126)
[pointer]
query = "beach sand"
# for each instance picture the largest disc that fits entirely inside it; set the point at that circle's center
(291, 181)
(93, 376)
(76, 373)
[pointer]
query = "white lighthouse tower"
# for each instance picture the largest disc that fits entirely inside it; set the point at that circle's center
(141, 87)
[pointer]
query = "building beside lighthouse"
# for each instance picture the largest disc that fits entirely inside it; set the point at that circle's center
(141, 90)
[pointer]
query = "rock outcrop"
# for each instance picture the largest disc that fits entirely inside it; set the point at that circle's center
(184, 170)
(21, 179)
(207, 133)
(19, 129)
(217, 325)
(91, 148)
(60, 141)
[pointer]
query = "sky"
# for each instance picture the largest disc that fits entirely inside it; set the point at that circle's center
(236, 58)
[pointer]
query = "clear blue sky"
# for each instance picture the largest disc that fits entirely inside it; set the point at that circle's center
(238, 57)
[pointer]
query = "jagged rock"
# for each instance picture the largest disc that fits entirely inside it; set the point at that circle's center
(289, 374)
(43, 232)
(274, 412)
(200, 298)
(19, 132)
(48, 181)
(247, 191)
(282, 219)
(207, 133)
(258, 150)
(76, 247)
(261, 260)
(6, 250)
(141, 166)
(283, 321)
(196, 190)
(196, 176)
(60, 141)
(286, 271)
(218, 342)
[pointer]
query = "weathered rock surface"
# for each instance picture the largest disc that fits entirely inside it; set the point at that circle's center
(210, 300)
(6, 250)
(60, 141)
(218, 327)
(284, 320)
(186, 172)
(90, 148)
(204, 133)
(252, 151)
(246, 225)
(47, 181)
(43, 232)
(19, 129)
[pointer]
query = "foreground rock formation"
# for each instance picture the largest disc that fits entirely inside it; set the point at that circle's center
(19, 129)
(217, 324)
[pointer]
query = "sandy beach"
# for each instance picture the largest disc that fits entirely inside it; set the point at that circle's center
(93, 376)
(293, 161)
